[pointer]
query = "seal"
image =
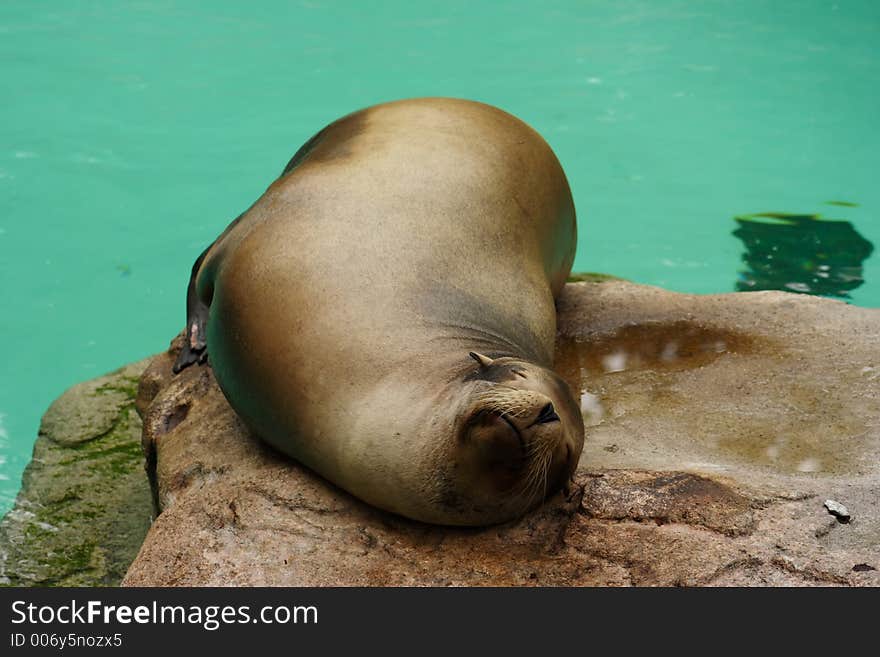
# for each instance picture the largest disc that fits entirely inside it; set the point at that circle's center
(385, 312)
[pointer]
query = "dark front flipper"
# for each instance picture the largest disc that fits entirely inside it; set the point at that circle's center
(195, 346)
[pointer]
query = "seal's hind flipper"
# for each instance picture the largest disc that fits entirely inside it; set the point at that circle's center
(196, 340)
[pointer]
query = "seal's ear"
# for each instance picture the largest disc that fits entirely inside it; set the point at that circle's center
(484, 361)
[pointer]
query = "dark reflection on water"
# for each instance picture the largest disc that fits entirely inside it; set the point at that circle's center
(801, 253)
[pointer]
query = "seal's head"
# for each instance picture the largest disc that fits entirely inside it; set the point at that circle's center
(518, 437)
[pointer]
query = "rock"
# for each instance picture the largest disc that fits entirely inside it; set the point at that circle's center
(837, 510)
(722, 421)
(85, 503)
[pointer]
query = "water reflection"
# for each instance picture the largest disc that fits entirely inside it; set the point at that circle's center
(648, 346)
(801, 253)
(705, 396)
(591, 408)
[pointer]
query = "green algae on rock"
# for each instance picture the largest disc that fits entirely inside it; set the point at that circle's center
(591, 277)
(85, 503)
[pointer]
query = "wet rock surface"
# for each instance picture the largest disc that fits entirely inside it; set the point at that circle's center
(717, 428)
(85, 503)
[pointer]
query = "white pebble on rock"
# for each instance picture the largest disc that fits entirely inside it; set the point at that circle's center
(837, 509)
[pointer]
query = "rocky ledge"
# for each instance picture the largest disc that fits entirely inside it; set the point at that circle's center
(85, 503)
(718, 428)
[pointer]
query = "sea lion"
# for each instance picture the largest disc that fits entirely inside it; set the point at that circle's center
(384, 312)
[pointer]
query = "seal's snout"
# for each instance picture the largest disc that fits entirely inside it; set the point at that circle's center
(528, 422)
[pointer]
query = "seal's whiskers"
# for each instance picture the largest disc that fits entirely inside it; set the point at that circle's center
(508, 401)
(534, 484)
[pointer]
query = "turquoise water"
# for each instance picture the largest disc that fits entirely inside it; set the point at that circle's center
(133, 132)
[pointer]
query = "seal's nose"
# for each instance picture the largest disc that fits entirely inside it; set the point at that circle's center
(547, 414)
